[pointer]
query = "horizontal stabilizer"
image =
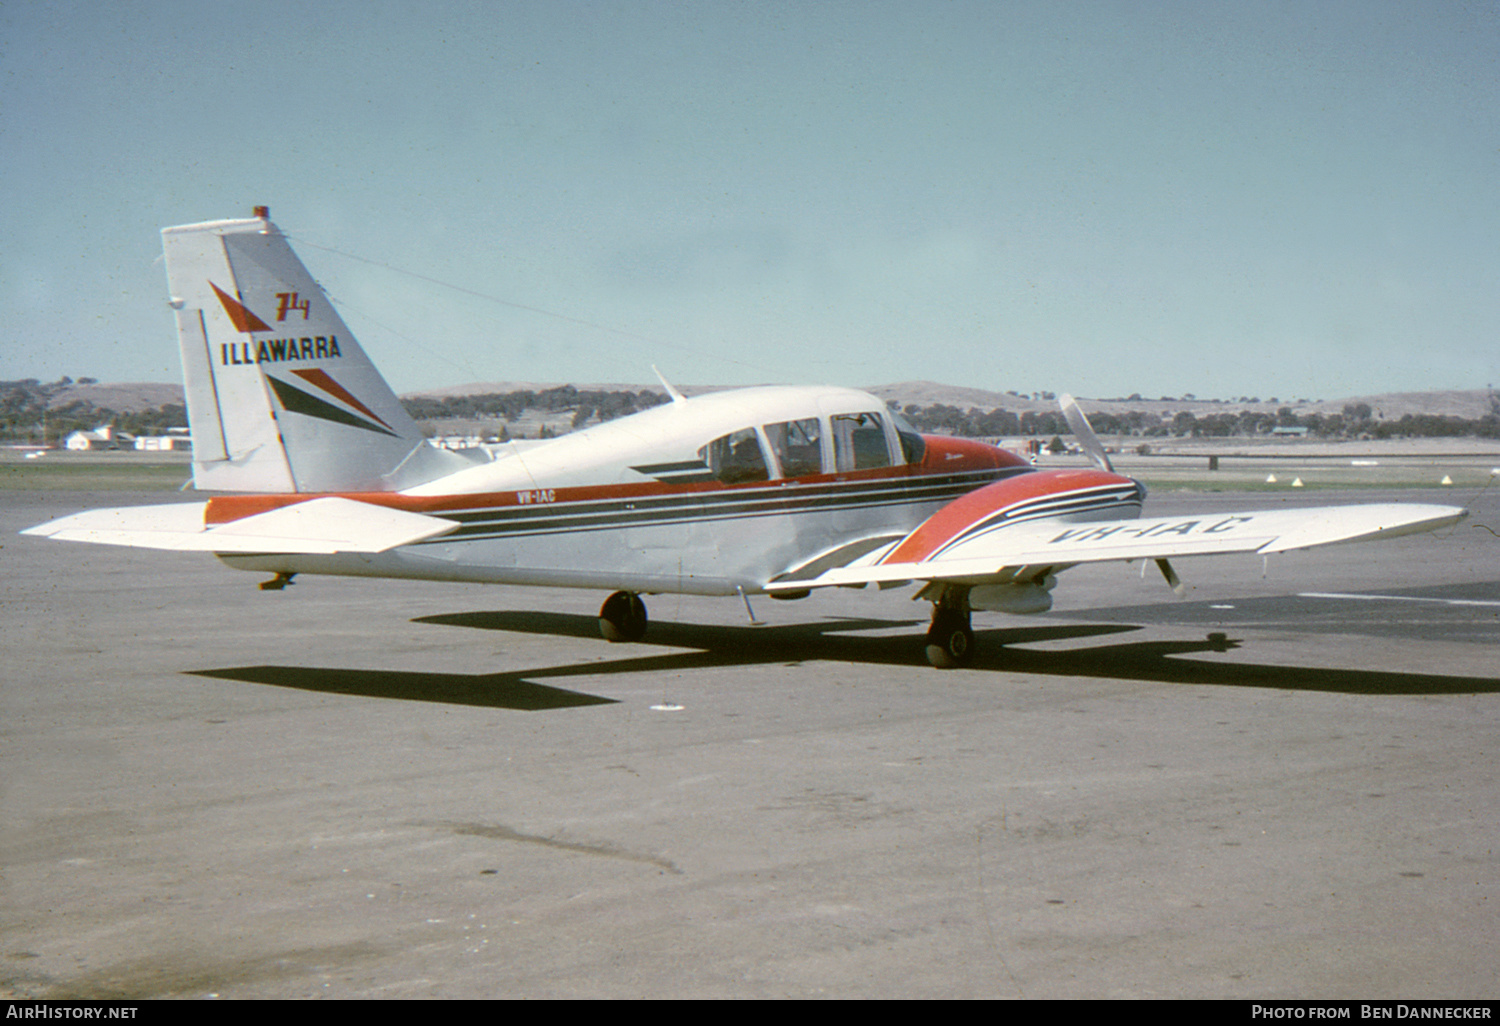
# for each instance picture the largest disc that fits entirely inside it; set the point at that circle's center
(317, 526)
(997, 556)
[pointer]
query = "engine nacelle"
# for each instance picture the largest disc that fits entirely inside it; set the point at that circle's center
(1021, 599)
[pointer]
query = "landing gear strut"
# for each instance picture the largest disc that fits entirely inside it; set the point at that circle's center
(623, 617)
(950, 640)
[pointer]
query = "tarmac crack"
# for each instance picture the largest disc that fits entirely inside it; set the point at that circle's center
(505, 833)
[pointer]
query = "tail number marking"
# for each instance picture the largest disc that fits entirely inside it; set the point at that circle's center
(537, 495)
(1151, 531)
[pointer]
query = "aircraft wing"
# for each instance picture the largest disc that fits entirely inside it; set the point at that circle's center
(317, 526)
(980, 552)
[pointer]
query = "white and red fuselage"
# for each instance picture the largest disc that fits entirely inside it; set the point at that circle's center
(641, 504)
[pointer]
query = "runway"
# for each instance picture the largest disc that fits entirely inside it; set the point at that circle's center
(1283, 785)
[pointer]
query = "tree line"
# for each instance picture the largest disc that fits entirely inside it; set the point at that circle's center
(1354, 421)
(585, 404)
(30, 411)
(27, 414)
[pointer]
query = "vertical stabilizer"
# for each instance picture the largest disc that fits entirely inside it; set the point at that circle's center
(281, 398)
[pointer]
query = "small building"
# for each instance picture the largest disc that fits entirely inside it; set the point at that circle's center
(177, 439)
(457, 442)
(102, 437)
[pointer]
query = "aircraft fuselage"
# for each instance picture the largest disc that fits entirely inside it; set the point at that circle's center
(697, 534)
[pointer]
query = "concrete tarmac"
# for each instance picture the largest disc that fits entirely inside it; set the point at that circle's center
(1280, 786)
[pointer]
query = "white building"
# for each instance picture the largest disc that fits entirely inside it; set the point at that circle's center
(106, 437)
(175, 440)
(102, 437)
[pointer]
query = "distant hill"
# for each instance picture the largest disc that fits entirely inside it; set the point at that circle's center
(929, 393)
(1470, 404)
(123, 397)
(504, 387)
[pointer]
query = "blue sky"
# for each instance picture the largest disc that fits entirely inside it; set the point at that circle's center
(1296, 199)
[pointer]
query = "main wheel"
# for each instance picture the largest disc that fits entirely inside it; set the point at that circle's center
(950, 641)
(623, 617)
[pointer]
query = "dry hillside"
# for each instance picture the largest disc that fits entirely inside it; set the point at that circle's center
(1470, 404)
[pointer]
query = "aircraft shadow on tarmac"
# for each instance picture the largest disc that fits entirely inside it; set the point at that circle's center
(835, 640)
(487, 690)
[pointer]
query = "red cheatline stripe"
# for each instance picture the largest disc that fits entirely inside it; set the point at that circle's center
(224, 508)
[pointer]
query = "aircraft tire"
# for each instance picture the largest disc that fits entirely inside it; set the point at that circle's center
(623, 617)
(950, 642)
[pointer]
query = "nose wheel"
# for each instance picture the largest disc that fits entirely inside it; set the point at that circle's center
(623, 617)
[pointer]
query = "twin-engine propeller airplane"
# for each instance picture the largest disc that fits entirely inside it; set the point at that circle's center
(772, 490)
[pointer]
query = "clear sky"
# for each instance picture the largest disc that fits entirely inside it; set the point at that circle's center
(1298, 199)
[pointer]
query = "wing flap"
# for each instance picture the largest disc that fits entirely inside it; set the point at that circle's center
(318, 526)
(992, 557)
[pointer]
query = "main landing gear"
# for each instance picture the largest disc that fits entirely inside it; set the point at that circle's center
(950, 639)
(623, 617)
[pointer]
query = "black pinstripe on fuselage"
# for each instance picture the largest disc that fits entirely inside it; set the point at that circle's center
(779, 498)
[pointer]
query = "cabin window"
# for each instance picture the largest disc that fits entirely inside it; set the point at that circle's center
(859, 442)
(798, 447)
(736, 458)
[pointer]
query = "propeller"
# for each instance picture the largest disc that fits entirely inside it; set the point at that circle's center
(1079, 425)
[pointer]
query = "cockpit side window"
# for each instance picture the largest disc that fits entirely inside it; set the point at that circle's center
(913, 448)
(736, 457)
(798, 447)
(859, 442)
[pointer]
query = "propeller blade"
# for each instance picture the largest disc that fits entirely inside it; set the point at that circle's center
(1173, 581)
(1079, 425)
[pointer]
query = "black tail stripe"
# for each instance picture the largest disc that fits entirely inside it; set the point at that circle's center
(298, 401)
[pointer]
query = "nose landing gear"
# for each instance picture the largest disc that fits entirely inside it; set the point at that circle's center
(623, 617)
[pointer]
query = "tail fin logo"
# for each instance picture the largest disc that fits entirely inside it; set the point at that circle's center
(298, 401)
(288, 302)
(321, 379)
(274, 350)
(243, 320)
